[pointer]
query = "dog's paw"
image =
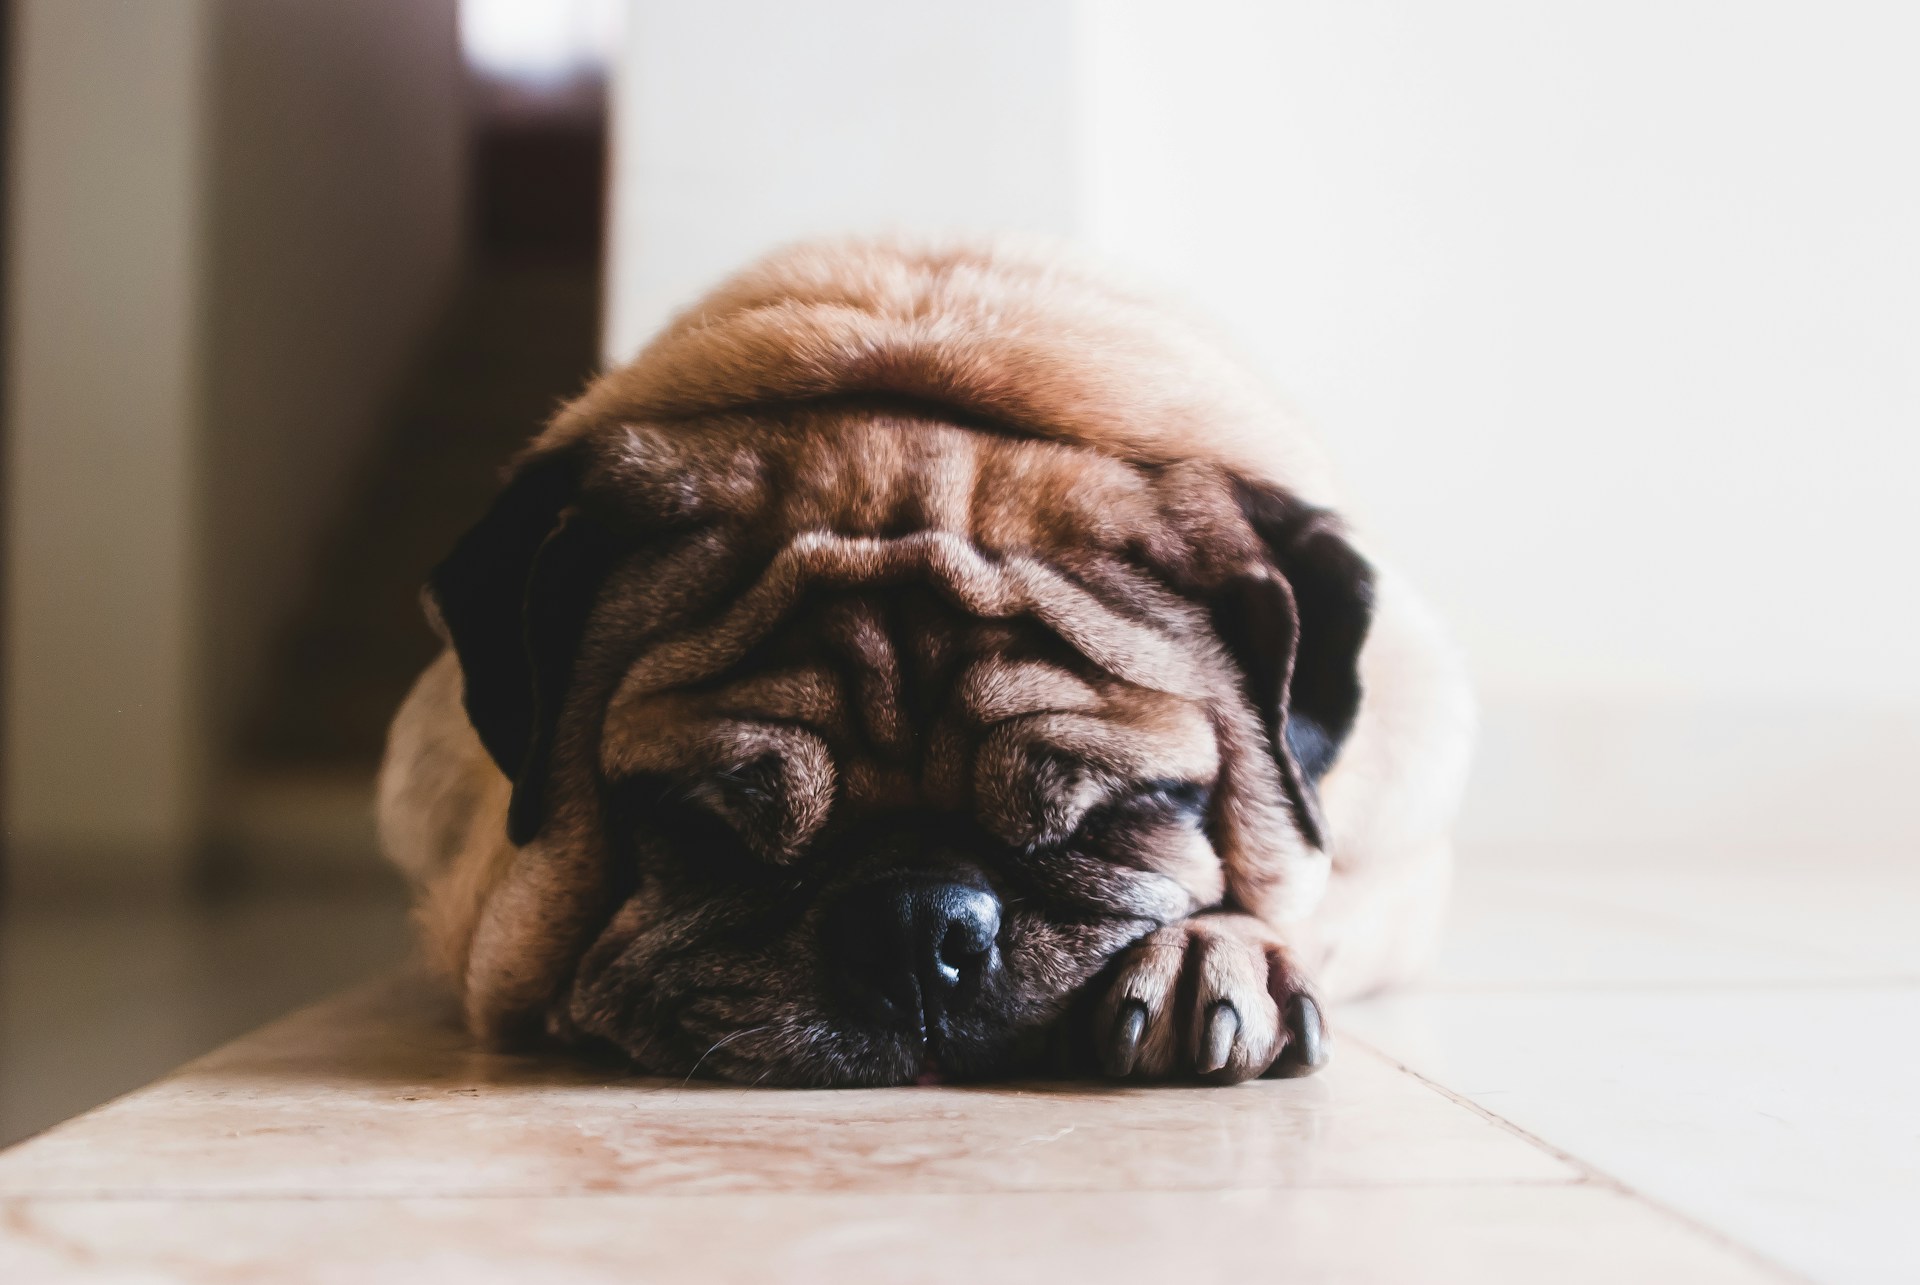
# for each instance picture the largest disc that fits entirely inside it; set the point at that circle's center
(1214, 997)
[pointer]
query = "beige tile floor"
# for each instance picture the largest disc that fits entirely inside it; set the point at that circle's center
(1638, 1069)
(97, 999)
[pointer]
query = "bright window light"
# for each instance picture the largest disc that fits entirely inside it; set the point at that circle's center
(538, 42)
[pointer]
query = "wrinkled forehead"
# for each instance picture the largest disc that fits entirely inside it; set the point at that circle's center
(751, 519)
(860, 472)
(887, 583)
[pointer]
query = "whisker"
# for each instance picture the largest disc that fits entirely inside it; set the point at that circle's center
(724, 1039)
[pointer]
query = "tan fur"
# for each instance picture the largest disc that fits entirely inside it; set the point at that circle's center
(990, 336)
(442, 818)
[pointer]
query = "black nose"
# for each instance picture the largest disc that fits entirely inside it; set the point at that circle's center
(913, 948)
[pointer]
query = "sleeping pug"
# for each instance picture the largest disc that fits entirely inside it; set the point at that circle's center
(925, 663)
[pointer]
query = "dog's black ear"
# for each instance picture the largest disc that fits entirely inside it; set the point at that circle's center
(1296, 626)
(513, 598)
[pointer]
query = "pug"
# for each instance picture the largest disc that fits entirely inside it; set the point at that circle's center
(925, 662)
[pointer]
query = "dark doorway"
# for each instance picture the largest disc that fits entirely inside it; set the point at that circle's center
(520, 336)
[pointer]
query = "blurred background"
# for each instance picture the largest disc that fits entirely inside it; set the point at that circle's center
(1611, 313)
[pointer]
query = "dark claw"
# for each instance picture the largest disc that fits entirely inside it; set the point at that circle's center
(1216, 1045)
(1306, 1050)
(1118, 1057)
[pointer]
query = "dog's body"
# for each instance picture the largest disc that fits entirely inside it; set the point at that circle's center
(893, 587)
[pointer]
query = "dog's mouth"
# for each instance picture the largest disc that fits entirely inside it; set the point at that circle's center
(948, 1056)
(932, 1038)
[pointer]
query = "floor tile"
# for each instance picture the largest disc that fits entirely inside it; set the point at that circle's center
(1567, 1234)
(1783, 1117)
(1860, 911)
(1550, 929)
(376, 1093)
(95, 1001)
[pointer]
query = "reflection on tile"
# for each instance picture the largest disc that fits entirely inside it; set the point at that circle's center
(377, 1094)
(97, 1000)
(1861, 912)
(1783, 1117)
(1546, 929)
(1472, 1235)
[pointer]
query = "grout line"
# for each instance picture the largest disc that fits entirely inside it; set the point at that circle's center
(1593, 1174)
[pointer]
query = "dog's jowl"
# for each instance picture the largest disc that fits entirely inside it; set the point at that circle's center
(925, 663)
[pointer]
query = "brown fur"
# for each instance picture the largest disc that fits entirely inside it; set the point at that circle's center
(940, 532)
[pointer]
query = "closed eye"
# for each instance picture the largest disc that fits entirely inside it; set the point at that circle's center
(722, 822)
(1150, 805)
(652, 818)
(1186, 798)
(740, 795)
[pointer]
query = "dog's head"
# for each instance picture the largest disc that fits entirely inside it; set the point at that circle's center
(850, 740)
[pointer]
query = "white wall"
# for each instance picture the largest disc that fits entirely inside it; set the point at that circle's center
(1613, 310)
(739, 124)
(231, 221)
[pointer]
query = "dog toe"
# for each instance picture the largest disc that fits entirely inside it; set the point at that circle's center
(1306, 1048)
(1120, 1052)
(1234, 1029)
(1216, 1043)
(1134, 1027)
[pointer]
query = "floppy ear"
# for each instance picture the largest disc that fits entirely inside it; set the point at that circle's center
(1296, 626)
(513, 598)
